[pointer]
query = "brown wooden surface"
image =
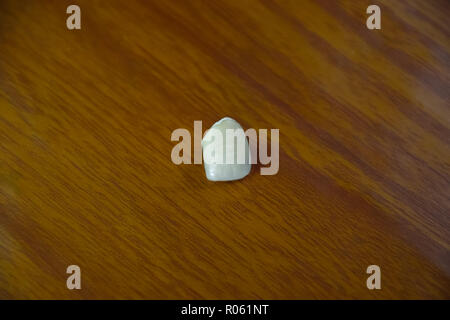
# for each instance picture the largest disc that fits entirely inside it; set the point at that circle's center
(86, 176)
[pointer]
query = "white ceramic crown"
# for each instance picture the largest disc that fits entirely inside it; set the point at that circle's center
(223, 170)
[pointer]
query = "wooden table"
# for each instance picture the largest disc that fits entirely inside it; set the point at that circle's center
(86, 176)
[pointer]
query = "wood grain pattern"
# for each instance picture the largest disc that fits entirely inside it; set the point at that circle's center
(85, 170)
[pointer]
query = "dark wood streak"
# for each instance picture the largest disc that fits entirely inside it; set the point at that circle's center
(405, 105)
(426, 74)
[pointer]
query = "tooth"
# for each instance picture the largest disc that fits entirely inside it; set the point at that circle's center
(217, 167)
